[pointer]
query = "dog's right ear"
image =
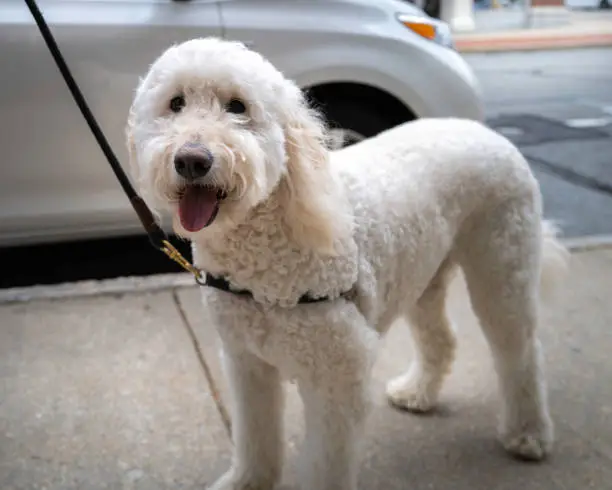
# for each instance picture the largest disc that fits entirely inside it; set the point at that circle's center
(131, 148)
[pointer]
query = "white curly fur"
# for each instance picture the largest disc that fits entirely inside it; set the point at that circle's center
(389, 219)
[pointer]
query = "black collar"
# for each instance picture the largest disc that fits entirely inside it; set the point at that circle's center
(223, 284)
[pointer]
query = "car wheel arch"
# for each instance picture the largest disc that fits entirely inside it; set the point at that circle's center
(396, 110)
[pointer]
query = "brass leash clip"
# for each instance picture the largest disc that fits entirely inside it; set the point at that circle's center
(175, 255)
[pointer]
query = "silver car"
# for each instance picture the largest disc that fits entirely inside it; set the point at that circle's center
(368, 65)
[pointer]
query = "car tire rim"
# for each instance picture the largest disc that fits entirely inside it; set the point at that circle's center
(341, 137)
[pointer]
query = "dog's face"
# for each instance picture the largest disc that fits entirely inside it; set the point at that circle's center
(214, 129)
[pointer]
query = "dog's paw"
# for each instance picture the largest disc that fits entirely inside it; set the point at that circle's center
(527, 445)
(408, 394)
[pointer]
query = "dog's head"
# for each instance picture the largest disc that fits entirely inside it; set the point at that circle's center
(214, 130)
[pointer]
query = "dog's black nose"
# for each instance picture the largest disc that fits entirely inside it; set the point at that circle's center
(193, 161)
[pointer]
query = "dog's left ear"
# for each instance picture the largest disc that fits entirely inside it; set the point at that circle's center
(315, 214)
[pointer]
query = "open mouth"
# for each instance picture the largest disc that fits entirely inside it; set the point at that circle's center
(199, 205)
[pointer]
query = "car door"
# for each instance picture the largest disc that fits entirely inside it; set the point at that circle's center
(54, 180)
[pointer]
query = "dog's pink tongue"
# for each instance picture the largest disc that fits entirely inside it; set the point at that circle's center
(197, 207)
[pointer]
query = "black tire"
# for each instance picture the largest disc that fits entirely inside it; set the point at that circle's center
(605, 4)
(365, 120)
(432, 8)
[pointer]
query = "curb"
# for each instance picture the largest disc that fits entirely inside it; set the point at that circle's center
(105, 287)
(165, 282)
(531, 43)
(587, 243)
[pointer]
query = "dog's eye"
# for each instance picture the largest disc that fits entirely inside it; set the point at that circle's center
(236, 106)
(177, 103)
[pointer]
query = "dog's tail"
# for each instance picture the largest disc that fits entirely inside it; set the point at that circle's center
(555, 260)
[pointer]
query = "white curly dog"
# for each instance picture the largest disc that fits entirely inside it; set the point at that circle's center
(325, 250)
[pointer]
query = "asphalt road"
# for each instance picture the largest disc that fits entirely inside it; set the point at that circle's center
(556, 105)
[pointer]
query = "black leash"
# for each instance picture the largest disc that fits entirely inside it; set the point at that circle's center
(157, 236)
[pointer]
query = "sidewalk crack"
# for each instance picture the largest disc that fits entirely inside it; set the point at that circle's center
(214, 390)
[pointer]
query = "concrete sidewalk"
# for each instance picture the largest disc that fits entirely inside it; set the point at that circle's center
(502, 30)
(108, 391)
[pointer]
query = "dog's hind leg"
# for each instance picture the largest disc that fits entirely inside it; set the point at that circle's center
(434, 341)
(501, 260)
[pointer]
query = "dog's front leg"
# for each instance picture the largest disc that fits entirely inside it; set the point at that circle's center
(256, 403)
(332, 439)
(336, 395)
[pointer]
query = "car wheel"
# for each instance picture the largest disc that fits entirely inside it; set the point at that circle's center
(605, 4)
(432, 8)
(349, 122)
